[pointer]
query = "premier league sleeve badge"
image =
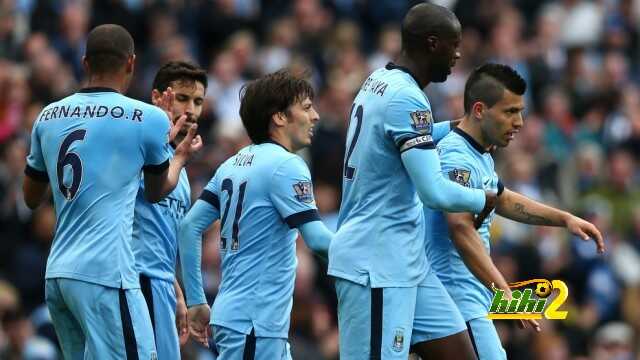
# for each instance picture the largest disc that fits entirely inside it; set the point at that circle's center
(422, 121)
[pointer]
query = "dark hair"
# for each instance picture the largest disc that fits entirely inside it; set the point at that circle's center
(178, 71)
(423, 20)
(488, 82)
(268, 95)
(108, 48)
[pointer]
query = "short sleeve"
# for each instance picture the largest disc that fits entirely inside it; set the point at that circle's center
(408, 120)
(155, 135)
(292, 193)
(35, 167)
(461, 167)
(458, 167)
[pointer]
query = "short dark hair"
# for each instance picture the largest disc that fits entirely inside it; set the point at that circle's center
(268, 95)
(108, 48)
(178, 71)
(423, 20)
(488, 82)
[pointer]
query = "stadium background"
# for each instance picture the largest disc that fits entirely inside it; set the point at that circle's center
(578, 149)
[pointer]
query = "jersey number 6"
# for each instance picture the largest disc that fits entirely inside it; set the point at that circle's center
(70, 158)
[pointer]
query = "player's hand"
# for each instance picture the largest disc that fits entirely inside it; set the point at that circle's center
(175, 128)
(585, 230)
(191, 143)
(529, 323)
(165, 102)
(522, 323)
(182, 321)
(199, 323)
(491, 199)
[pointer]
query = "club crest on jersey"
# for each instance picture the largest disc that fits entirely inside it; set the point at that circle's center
(304, 191)
(422, 121)
(460, 176)
(398, 340)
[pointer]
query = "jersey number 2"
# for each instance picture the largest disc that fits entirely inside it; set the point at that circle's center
(227, 185)
(72, 159)
(350, 171)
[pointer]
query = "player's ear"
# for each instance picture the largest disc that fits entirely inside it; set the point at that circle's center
(432, 43)
(131, 61)
(477, 109)
(156, 96)
(279, 119)
(85, 65)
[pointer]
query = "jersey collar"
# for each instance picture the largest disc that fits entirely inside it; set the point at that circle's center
(392, 66)
(270, 141)
(96, 89)
(470, 140)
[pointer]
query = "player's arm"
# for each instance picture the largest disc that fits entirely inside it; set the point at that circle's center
(520, 208)
(34, 189)
(160, 180)
(36, 180)
(182, 319)
(204, 212)
(442, 128)
(406, 124)
(292, 196)
(462, 230)
(467, 241)
(317, 237)
(438, 192)
(196, 221)
(470, 247)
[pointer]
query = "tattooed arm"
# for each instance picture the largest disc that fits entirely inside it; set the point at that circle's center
(520, 208)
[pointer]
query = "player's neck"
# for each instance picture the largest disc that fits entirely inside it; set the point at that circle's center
(473, 129)
(282, 140)
(115, 83)
(406, 62)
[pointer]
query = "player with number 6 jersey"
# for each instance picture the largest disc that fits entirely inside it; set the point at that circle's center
(261, 196)
(91, 147)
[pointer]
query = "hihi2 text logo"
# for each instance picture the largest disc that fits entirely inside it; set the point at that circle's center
(529, 303)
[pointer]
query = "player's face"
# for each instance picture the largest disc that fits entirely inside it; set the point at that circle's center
(502, 121)
(301, 120)
(189, 98)
(446, 56)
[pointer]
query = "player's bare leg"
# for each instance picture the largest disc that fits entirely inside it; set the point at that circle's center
(456, 346)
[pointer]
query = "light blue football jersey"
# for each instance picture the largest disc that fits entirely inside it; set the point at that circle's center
(380, 237)
(92, 147)
(467, 163)
(263, 194)
(155, 229)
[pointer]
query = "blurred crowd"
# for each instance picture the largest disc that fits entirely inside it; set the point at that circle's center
(579, 148)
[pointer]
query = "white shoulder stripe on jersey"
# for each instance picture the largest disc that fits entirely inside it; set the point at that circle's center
(423, 140)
